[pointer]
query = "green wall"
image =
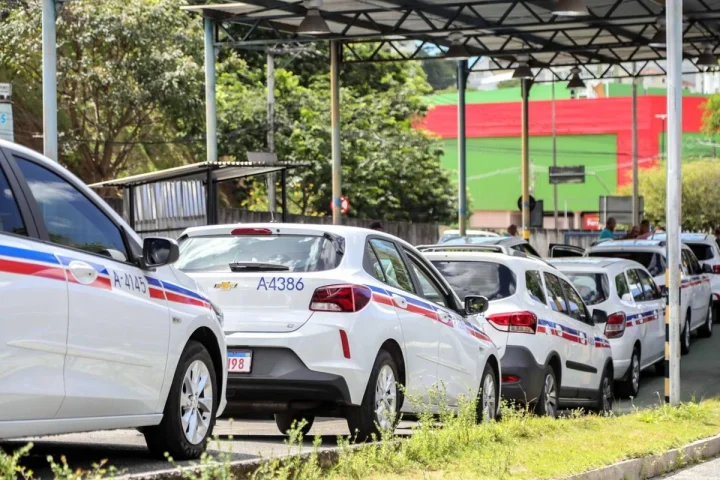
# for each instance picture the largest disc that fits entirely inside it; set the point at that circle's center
(493, 170)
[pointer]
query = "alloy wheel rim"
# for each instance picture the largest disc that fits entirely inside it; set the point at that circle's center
(196, 402)
(550, 395)
(687, 334)
(710, 319)
(488, 398)
(385, 398)
(635, 373)
(607, 394)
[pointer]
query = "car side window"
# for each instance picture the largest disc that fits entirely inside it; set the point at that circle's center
(685, 263)
(371, 264)
(648, 285)
(534, 286)
(71, 218)
(694, 264)
(575, 303)
(393, 267)
(621, 286)
(429, 289)
(10, 219)
(555, 293)
(636, 288)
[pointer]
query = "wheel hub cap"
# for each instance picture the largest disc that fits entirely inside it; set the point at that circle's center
(635, 373)
(385, 398)
(488, 398)
(550, 395)
(196, 402)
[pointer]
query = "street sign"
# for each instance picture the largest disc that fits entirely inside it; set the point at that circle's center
(5, 91)
(575, 174)
(620, 208)
(532, 203)
(537, 219)
(344, 205)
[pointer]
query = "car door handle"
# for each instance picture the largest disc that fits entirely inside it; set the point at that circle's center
(83, 273)
(399, 301)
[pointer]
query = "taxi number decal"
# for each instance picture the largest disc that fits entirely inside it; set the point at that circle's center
(130, 282)
(281, 284)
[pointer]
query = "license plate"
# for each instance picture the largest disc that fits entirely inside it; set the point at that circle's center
(239, 361)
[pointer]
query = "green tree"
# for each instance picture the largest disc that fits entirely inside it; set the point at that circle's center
(700, 194)
(123, 69)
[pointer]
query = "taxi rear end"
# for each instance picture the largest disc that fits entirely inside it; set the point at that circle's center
(293, 305)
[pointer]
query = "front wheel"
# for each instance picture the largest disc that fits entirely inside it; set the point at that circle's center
(378, 411)
(488, 401)
(631, 386)
(189, 415)
(706, 330)
(605, 392)
(547, 404)
(685, 337)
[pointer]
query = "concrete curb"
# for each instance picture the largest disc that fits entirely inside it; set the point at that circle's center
(655, 465)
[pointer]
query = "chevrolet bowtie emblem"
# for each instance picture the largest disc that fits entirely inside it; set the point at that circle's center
(226, 285)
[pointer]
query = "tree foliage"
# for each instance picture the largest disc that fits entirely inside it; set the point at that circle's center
(131, 98)
(700, 194)
(711, 116)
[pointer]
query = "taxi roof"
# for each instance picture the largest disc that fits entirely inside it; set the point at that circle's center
(613, 244)
(599, 262)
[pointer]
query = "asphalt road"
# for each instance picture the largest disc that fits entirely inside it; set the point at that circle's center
(703, 471)
(245, 440)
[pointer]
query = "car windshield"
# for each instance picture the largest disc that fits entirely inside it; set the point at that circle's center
(488, 279)
(654, 262)
(702, 251)
(294, 253)
(593, 287)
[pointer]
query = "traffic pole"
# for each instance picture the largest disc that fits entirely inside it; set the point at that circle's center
(335, 123)
(462, 148)
(525, 160)
(49, 80)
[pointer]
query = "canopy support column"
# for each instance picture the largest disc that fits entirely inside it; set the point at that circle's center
(462, 67)
(335, 121)
(526, 84)
(49, 80)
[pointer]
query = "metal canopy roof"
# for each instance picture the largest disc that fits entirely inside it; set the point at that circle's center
(221, 171)
(616, 32)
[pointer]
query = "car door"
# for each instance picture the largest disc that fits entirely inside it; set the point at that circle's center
(652, 317)
(34, 300)
(418, 320)
(703, 290)
(457, 355)
(637, 321)
(586, 361)
(561, 335)
(558, 250)
(117, 339)
(689, 285)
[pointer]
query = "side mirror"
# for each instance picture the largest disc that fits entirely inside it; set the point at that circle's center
(663, 291)
(599, 316)
(475, 305)
(158, 252)
(707, 268)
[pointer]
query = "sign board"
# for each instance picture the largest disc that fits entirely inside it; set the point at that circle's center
(560, 175)
(620, 208)
(591, 221)
(262, 157)
(344, 205)
(6, 122)
(537, 216)
(532, 203)
(5, 91)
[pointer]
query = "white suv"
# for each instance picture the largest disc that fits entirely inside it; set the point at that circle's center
(696, 293)
(705, 247)
(326, 320)
(553, 353)
(99, 331)
(636, 313)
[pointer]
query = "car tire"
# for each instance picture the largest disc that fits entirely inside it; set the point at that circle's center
(488, 397)
(363, 420)
(285, 422)
(188, 394)
(631, 386)
(548, 401)
(706, 330)
(685, 337)
(716, 311)
(605, 392)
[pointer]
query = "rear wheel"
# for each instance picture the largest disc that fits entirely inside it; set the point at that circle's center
(685, 337)
(547, 404)
(379, 408)
(605, 392)
(488, 401)
(286, 421)
(189, 415)
(631, 386)
(706, 330)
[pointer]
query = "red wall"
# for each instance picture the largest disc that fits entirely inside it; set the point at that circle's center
(601, 116)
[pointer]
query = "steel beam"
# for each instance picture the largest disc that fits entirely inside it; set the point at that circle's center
(635, 178)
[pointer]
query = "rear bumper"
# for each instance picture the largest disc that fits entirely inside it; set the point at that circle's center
(280, 381)
(520, 362)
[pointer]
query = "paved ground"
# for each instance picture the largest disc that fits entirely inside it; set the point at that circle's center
(125, 449)
(705, 470)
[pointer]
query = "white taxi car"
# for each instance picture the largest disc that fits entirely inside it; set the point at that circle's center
(98, 332)
(636, 313)
(453, 234)
(553, 351)
(705, 247)
(328, 320)
(696, 292)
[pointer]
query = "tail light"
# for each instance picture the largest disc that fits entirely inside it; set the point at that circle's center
(251, 231)
(510, 379)
(514, 322)
(340, 298)
(615, 327)
(716, 268)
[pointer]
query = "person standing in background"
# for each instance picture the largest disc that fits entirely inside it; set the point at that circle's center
(376, 226)
(608, 231)
(511, 231)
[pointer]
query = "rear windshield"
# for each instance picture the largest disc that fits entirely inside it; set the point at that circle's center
(593, 287)
(701, 251)
(488, 279)
(654, 262)
(298, 253)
